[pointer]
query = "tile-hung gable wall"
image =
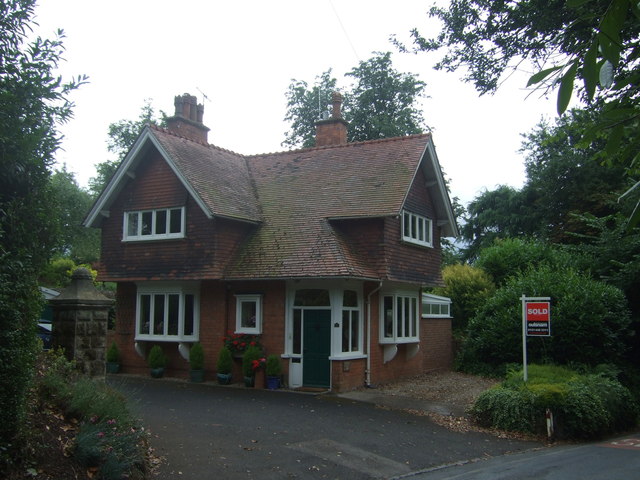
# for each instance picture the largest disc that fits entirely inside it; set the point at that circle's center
(204, 252)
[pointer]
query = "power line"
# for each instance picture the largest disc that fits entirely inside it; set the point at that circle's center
(344, 30)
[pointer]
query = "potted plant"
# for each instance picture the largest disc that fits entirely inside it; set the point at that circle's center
(157, 360)
(251, 355)
(196, 362)
(274, 369)
(224, 366)
(113, 359)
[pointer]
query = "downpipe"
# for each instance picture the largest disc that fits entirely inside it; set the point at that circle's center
(367, 373)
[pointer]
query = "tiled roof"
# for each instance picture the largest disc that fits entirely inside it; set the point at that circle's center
(293, 195)
(221, 178)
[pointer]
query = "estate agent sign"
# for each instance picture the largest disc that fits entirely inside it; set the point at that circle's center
(536, 322)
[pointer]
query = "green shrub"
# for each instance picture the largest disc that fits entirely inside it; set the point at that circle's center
(584, 406)
(113, 354)
(589, 323)
(252, 353)
(157, 358)
(468, 287)
(274, 366)
(225, 361)
(196, 357)
(511, 256)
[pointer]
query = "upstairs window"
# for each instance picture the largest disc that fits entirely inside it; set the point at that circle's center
(163, 223)
(416, 229)
(399, 322)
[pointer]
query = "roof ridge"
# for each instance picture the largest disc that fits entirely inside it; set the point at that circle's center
(344, 145)
(153, 126)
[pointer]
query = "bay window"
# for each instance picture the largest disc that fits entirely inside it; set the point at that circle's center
(167, 313)
(399, 318)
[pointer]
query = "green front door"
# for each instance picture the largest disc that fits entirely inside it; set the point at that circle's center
(316, 367)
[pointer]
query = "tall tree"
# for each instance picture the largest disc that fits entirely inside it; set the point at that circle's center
(71, 203)
(121, 137)
(380, 103)
(33, 102)
(591, 46)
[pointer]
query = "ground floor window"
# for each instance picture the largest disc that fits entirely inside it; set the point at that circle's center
(249, 314)
(399, 318)
(166, 312)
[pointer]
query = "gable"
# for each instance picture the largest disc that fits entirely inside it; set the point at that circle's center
(216, 179)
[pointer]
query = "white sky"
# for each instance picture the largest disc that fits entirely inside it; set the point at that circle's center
(243, 54)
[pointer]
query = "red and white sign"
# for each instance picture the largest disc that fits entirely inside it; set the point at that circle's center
(538, 318)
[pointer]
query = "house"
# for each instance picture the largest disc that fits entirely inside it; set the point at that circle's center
(322, 252)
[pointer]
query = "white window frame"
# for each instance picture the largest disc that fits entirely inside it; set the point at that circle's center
(351, 310)
(417, 229)
(165, 289)
(429, 301)
(409, 328)
(140, 236)
(255, 299)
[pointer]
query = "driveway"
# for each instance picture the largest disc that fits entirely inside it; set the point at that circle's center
(206, 431)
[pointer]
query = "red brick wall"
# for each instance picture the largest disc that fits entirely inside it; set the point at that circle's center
(437, 343)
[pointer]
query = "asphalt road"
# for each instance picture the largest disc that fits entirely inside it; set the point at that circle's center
(205, 431)
(616, 459)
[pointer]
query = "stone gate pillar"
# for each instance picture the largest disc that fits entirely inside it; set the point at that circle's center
(80, 315)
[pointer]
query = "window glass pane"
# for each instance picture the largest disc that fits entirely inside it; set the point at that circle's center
(355, 331)
(176, 221)
(414, 318)
(427, 235)
(173, 314)
(346, 330)
(388, 317)
(414, 229)
(297, 331)
(147, 218)
(444, 310)
(248, 312)
(145, 314)
(350, 298)
(158, 314)
(132, 224)
(189, 314)
(407, 317)
(161, 222)
(407, 224)
(421, 229)
(399, 314)
(312, 298)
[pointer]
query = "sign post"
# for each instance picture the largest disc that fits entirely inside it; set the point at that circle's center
(536, 322)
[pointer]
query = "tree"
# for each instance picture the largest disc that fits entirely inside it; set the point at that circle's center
(468, 288)
(122, 136)
(71, 202)
(32, 103)
(305, 107)
(499, 213)
(380, 103)
(592, 41)
(563, 182)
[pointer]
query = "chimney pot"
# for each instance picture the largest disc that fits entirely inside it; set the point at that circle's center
(332, 131)
(187, 121)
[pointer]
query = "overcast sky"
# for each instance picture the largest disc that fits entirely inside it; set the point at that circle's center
(243, 54)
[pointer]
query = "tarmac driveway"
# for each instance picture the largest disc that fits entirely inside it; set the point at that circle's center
(206, 431)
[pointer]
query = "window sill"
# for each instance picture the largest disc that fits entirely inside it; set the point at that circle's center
(348, 356)
(162, 338)
(397, 341)
(153, 239)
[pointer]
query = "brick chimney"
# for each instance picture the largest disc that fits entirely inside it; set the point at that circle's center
(332, 131)
(187, 121)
